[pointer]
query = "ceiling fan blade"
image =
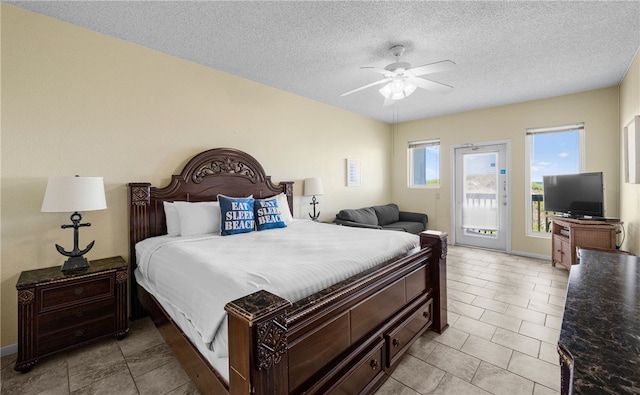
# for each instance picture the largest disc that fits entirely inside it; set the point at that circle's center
(376, 69)
(388, 102)
(382, 81)
(437, 67)
(430, 85)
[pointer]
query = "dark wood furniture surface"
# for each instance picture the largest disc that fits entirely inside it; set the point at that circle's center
(57, 311)
(344, 339)
(569, 234)
(600, 337)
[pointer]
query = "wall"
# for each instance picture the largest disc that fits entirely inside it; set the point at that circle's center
(597, 109)
(630, 193)
(77, 102)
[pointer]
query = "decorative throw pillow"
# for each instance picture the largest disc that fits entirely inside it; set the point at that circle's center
(268, 214)
(172, 218)
(236, 215)
(283, 204)
(198, 218)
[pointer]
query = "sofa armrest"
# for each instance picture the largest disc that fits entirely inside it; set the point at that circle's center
(356, 224)
(414, 217)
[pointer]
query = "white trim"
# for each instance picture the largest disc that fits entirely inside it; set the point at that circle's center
(9, 350)
(554, 129)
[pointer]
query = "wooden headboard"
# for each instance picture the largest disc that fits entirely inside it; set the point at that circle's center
(225, 171)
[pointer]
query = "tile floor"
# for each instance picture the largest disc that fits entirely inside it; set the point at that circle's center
(505, 314)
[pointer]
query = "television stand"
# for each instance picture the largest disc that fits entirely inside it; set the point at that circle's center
(569, 233)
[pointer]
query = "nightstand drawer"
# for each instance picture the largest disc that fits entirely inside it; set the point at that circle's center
(79, 291)
(60, 319)
(74, 335)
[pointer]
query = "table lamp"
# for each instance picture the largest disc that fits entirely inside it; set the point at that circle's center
(313, 187)
(74, 194)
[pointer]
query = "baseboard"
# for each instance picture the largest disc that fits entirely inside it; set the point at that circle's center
(530, 255)
(8, 350)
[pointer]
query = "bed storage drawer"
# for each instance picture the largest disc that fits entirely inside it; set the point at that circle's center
(401, 337)
(363, 375)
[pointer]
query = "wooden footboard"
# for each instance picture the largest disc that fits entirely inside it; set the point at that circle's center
(347, 339)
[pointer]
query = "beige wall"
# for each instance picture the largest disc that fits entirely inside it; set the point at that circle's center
(597, 109)
(77, 102)
(630, 193)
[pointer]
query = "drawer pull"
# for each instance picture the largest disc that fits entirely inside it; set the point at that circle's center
(78, 333)
(425, 314)
(78, 291)
(78, 314)
(396, 343)
(374, 364)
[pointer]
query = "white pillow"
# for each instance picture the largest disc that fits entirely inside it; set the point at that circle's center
(172, 218)
(198, 218)
(283, 205)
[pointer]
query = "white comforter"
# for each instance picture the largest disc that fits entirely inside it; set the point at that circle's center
(199, 275)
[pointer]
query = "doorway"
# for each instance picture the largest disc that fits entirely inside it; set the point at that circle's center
(481, 196)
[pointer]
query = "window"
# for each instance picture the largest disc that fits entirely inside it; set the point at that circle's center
(424, 164)
(557, 150)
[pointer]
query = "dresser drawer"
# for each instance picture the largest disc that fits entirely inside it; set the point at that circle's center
(69, 293)
(401, 337)
(363, 374)
(70, 336)
(76, 315)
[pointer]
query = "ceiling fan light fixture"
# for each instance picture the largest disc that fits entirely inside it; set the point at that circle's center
(397, 89)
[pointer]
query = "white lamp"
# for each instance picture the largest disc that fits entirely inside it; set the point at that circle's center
(313, 187)
(74, 194)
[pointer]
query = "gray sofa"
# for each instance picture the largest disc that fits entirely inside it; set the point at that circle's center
(387, 217)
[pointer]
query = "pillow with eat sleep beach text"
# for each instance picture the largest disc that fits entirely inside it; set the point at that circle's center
(236, 215)
(267, 214)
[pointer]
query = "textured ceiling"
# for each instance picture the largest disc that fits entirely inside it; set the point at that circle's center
(505, 52)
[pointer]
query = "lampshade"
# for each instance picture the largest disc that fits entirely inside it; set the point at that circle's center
(71, 194)
(397, 89)
(313, 187)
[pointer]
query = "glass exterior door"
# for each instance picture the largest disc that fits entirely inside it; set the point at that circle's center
(481, 196)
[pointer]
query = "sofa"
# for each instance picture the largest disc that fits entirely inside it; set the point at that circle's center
(387, 217)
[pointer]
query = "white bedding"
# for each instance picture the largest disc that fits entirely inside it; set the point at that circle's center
(197, 276)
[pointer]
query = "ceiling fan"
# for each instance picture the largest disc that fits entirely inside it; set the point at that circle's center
(402, 80)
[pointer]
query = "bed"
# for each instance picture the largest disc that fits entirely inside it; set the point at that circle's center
(346, 337)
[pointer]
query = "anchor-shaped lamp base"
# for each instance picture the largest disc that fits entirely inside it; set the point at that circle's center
(315, 216)
(76, 261)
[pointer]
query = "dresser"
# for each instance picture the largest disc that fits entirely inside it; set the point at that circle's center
(57, 311)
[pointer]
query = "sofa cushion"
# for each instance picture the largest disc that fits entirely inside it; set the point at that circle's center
(362, 215)
(411, 227)
(387, 214)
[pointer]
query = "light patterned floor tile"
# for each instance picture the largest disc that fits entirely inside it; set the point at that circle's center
(418, 375)
(487, 351)
(526, 314)
(465, 309)
(490, 304)
(500, 381)
(453, 361)
(536, 370)
(516, 341)
(451, 337)
(539, 332)
(451, 385)
(475, 327)
(501, 320)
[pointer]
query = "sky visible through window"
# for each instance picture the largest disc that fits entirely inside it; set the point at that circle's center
(553, 154)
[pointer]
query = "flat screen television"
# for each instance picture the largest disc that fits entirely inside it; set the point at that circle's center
(574, 195)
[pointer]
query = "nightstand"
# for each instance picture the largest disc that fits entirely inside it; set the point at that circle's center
(57, 311)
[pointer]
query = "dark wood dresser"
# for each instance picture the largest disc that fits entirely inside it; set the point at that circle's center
(57, 311)
(599, 343)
